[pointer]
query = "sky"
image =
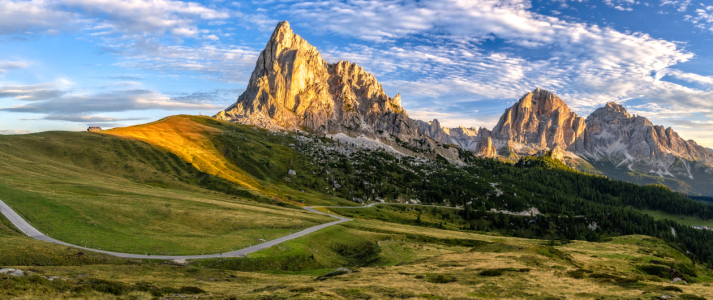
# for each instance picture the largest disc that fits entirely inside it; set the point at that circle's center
(69, 64)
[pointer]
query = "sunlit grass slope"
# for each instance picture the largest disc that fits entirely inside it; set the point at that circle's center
(191, 141)
(251, 157)
(122, 194)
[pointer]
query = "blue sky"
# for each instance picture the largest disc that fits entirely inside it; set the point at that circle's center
(68, 64)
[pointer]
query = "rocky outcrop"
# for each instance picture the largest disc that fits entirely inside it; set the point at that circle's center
(292, 87)
(634, 141)
(555, 153)
(464, 138)
(486, 148)
(541, 120)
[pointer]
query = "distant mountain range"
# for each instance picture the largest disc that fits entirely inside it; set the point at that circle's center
(292, 87)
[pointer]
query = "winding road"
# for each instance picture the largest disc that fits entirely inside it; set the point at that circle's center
(30, 231)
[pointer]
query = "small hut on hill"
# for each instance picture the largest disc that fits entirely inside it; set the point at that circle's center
(94, 129)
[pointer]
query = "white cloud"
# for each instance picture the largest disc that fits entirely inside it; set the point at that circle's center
(680, 4)
(105, 16)
(703, 18)
(34, 15)
(689, 77)
(87, 118)
(34, 92)
(622, 5)
(112, 101)
(217, 62)
(10, 132)
(11, 65)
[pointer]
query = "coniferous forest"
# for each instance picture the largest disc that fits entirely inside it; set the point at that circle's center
(572, 205)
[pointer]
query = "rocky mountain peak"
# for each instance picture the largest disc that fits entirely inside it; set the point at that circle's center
(540, 120)
(613, 106)
(292, 87)
(610, 111)
(543, 102)
(614, 135)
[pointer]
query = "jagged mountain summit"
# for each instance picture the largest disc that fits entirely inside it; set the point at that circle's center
(634, 141)
(540, 120)
(292, 87)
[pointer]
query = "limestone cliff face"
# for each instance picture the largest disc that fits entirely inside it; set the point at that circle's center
(615, 135)
(541, 120)
(292, 87)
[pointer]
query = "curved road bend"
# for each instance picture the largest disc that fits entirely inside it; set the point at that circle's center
(30, 231)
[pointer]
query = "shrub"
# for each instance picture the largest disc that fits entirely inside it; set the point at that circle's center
(440, 278)
(656, 270)
(672, 288)
(307, 289)
(491, 272)
(360, 254)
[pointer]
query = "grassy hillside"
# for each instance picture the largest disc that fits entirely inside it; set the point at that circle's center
(189, 184)
(124, 195)
(198, 185)
(252, 158)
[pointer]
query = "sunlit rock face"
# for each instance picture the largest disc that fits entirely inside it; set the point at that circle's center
(541, 120)
(292, 87)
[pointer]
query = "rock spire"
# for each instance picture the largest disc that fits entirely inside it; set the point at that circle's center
(292, 87)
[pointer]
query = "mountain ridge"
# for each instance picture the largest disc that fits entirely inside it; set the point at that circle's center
(293, 88)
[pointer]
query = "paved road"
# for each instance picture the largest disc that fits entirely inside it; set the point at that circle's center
(30, 231)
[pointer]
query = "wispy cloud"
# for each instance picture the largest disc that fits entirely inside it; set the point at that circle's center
(105, 16)
(680, 5)
(9, 132)
(36, 17)
(214, 96)
(114, 101)
(622, 5)
(86, 118)
(220, 63)
(11, 65)
(34, 92)
(703, 18)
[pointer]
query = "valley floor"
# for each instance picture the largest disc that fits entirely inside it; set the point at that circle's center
(412, 263)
